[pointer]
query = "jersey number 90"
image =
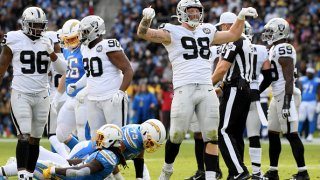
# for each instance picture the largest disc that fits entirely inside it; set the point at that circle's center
(93, 66)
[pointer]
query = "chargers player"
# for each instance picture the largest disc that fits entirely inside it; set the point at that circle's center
(72, 115)
(109, 74)
(282, 114)
(310, 92)
(188, 48)
(31, 55)
(99, 164)
(136, 138)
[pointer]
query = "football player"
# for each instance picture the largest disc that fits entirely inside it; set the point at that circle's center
(188, 46)
(72, 115)
(109, 74)
(282, 113)
(55, 103)
(309, 85)
(31, 55)
(256, 117)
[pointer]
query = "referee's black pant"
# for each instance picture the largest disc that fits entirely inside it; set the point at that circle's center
(234, 108)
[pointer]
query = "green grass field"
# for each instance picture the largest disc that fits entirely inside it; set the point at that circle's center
(185, 164)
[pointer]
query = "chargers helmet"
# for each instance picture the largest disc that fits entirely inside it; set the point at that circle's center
(153, 134)
(70, 34)
(109, 135)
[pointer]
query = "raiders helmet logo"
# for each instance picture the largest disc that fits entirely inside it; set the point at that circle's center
(206, 30)
(281, 27)
(99, 48)
(94, 24)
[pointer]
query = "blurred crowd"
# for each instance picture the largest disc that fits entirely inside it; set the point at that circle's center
(150, 61)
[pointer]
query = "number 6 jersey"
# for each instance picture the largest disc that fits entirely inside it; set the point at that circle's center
(30, 62)
(277, 51)
(104, 78)
(189, 53)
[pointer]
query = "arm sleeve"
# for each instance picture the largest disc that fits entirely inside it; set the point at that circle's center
(82, 82)
(267, 79)
(60, 64)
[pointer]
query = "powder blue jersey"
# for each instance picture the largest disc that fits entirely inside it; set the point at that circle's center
(133, 141)
(75, 67)
(309, 88)
(106, 158)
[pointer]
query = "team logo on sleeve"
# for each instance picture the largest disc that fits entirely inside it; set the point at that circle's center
(99, 48)
(206, 30)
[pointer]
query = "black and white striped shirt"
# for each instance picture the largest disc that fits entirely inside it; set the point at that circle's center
(238, 53)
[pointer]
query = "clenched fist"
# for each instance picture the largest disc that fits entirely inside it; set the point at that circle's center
(148, 13)
(250, 11)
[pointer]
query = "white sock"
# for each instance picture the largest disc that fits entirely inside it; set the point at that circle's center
(210, 175)
(23, 174)
(45, 155)
(255, 156)
(272, 168)
(118, 176)
(301, 169)
(168, 167)
(9, 170)
(58, 146)
(146, 175)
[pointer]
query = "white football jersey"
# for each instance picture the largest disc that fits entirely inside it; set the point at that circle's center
(104, 78)
(189, 53)
(31, 62)
(259, 56)
(277, 51)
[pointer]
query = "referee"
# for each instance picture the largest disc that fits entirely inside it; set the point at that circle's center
(234, 69)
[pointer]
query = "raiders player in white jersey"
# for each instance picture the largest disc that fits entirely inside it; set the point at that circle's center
(54, 104)
(109, 74)
(282, 113)
(256, 117)
(195, 128)
(31, 55)
(188, 47)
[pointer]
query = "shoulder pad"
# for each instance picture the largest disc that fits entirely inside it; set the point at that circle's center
(111, 45)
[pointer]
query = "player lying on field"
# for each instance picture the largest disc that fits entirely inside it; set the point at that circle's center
(151, 137)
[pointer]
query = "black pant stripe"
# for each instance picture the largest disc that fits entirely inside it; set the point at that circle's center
(3, 172)
(123, 112)
(15, 122)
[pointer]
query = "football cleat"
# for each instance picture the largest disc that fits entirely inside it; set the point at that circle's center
(199, 175)
(300, 176)
(258, 176)
(165, 174)
(271, 175)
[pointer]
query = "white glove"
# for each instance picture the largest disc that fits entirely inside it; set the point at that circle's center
(81, 95)
(55, 101)
(48, 44)
(71, 88)
(318, 108)
(250, 11)
(117, 97)
(148, 13)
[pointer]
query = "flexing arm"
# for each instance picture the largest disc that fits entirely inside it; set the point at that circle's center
(236, 29)
(121, 61)
(154, 35)
(5, 60)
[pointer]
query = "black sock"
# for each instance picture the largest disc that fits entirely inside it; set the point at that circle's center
(138, 164)
(211, 162)
(274, 148)
(22, 150)
(254, 142)
(172, 151)
(33, 157)
(199, 150)
(297, 148)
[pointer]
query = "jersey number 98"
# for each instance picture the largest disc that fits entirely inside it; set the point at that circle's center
(192, 44)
